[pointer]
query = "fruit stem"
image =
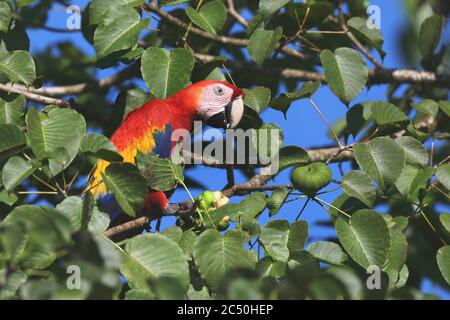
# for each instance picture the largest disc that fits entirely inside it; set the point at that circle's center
(332, 206)
(327, 123)
(303, 208)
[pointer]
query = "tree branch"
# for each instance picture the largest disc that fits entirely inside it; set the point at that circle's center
(376, 76)
(235, 14)
(239, 42)
(18, 89)
(75, 89)
(256, 183)
(353, 39)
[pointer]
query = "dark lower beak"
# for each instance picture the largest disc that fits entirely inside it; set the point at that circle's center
(229, 117)
(221, 119)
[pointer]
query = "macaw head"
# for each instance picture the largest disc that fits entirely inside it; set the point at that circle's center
(218, 103)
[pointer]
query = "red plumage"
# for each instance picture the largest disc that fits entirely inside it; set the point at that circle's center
(137, 132)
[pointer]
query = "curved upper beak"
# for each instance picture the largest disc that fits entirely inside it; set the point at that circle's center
(230, 116)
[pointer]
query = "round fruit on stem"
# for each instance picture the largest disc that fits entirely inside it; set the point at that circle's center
(311, 178)
(224, 223)
(206, 200)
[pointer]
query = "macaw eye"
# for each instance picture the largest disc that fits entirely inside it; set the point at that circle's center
(218, 91)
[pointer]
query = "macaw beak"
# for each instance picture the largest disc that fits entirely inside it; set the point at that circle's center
(230, 116)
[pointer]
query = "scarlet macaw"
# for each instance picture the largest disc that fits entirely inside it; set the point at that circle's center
(148, 129)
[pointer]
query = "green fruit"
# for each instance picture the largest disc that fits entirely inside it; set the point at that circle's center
(206, 200)
(224, 223)
(311, 178)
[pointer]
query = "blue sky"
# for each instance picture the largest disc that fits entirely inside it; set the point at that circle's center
(303, 126)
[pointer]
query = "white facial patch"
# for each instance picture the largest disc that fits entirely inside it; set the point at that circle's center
(237, 110)
(214, 100)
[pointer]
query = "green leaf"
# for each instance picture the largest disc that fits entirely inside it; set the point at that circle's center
(248, 209)
(443, 260)
(267, 140)
(23, 3)
(313, 12)
(328, 252)
(372, 36)
(49, 133)
(284, 101)
(215, 255)
(346, 72)
(414, 150)
(358, 117)
(12, 139)
(365, 237)
(257, 98)
(98, 8)
(128, 185)
(276, 200)
(5, 17)
(445, 107)
(267, 267)
(151, 256)
(280, 238)
(269, 7)
(292, 156)
(385, 113)
(298, 235)
(99, 146)
(118, 31)
(15, 171)
(397, 252)
(443, 175)
(166, 3)
(72, 208)
(166, 288)
(400, 223)
(347, 204)
(382, 159)
(13, 283)
(413, 178)
(139, 294)
(211, 17)
(135, 98)
(160, 173)
(445, 221)
(348, 277)
(430, 34)
(427, 106)
(47, 225)
(17, 66)
(8, 198)
(166, 72)
(262, 43)
(208, 69)
(185, 240)
(359, 185)
(12, 109)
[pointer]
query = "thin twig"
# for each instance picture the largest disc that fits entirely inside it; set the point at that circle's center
(235, 14)
(332, 206)
(37, 192)
(302, 209)
(353, 39)
(428, 222)
(326, 122)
